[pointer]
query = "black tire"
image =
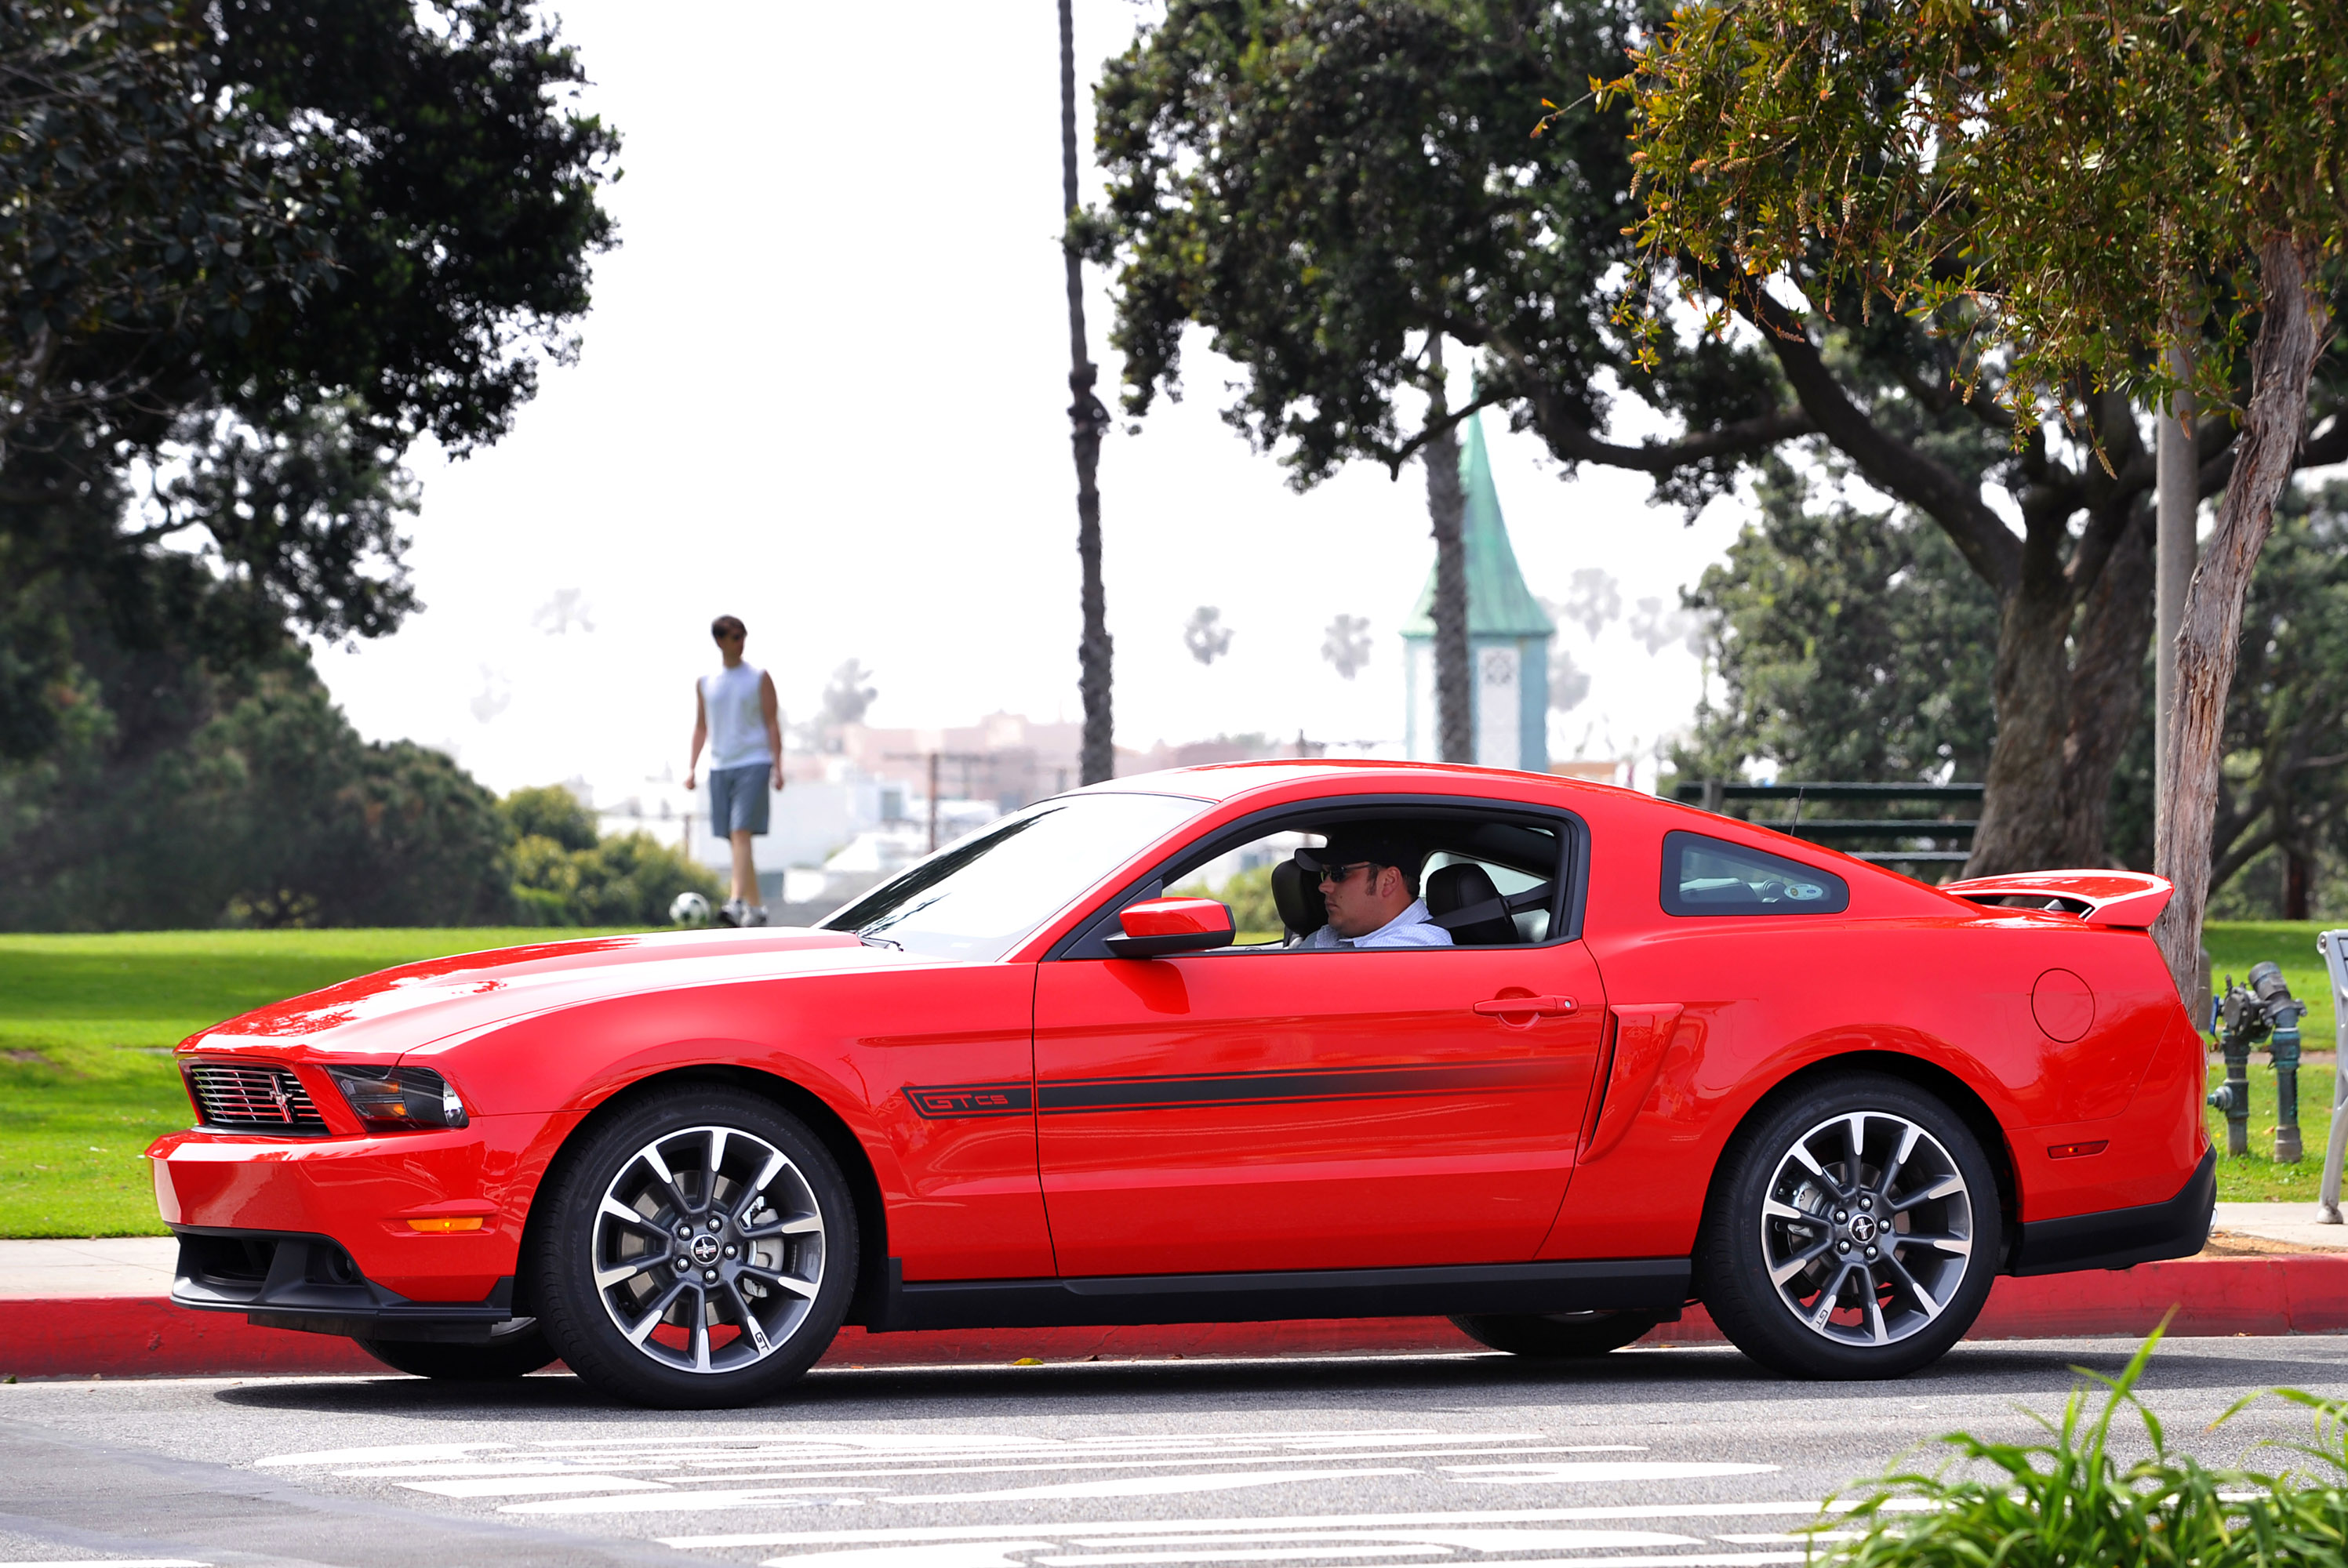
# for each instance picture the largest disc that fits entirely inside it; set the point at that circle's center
(514, 1355)
(737, 1306)
(1557, 1335)
(1890, 1306)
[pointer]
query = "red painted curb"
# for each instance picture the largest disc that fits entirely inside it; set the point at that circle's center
(143, 1336)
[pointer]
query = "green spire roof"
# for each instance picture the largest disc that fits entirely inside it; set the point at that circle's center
(1498, 602)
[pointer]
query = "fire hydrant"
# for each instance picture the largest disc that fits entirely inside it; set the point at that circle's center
(2264, 1009)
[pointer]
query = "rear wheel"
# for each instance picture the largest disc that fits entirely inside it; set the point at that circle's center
(1557, 1335)
(514, 1355)
(698, 1252)
(1855, 1233)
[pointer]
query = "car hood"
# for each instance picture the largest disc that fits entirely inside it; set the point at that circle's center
(396, 1011)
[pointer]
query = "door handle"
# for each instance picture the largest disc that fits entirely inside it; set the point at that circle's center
(1539, 1006)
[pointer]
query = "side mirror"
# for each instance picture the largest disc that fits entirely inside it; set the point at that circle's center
(1156, 926)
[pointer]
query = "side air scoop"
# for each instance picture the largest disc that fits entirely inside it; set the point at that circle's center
(2127, 898)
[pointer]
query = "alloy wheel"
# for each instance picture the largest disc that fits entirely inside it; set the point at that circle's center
(1867, 1228)
(708, 1249)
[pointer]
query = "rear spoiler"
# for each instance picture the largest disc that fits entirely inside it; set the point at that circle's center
(2129, 898)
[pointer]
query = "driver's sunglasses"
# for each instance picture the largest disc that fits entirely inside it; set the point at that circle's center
(1338, 874)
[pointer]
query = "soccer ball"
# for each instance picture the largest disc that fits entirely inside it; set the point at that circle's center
(690, 909)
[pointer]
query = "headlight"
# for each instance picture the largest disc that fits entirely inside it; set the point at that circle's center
(399, 1099)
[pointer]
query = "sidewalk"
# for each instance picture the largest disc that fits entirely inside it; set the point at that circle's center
(100, 1308)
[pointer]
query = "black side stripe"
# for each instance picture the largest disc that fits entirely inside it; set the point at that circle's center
(1076, 1096)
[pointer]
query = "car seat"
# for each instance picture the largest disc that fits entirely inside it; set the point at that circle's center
(1297, 892)
(1453, 888)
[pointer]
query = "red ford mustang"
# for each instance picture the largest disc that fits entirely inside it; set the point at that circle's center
(1038, 1079)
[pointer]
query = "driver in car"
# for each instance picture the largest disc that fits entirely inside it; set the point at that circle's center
(1371, 887)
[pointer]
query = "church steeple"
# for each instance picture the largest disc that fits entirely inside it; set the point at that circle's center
(1507, 635)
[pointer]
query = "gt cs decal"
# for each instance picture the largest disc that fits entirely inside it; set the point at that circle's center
(951, 1102)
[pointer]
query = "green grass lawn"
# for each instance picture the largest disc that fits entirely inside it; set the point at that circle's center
(87, 1024)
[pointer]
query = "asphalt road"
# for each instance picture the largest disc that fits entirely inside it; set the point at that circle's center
(1646, 1459)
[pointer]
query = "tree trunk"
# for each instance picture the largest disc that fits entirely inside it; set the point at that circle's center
(1447, 505)
(2294, 884)
(2294, 328)
(2022, 818)
(2106, 689)
(1086, 420)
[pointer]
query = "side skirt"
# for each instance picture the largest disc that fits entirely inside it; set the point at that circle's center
(1640, 1284)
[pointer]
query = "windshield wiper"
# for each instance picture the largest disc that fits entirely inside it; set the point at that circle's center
(871, 941)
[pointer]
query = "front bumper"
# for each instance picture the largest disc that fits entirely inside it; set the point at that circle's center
(286, 1280)
(361, 1193)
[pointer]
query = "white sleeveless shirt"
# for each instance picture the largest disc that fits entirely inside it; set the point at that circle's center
(738, 730)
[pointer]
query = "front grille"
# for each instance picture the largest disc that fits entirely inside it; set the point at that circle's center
(253, 1098)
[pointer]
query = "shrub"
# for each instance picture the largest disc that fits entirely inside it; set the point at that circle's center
(2069, 1501)
(566, 874)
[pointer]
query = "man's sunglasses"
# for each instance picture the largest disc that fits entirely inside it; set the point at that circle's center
(1338, 874)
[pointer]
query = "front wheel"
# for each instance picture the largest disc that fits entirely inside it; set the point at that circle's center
(514, 1355)
(1855, 1232)
(698, 1251)
(1557, 1335)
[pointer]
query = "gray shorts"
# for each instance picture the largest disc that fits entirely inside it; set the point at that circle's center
(738, 799)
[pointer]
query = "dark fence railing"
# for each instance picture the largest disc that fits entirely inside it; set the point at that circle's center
(1901, 825)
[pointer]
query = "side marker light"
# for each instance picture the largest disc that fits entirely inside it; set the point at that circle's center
(2074, 1151)
(443, 1227)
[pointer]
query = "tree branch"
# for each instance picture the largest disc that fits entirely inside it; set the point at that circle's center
(1924, 481)
(1571, 438)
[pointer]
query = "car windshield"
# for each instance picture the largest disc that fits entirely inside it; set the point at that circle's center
(978, 899)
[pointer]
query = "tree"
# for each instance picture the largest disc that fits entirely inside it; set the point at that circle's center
(2064, 189)
(1086, 422)
(319, 228)
(256, 248)
(1314, 180)
(2282, 806)
(849, 695)
(1205, 635)
(1849, 645)
(272, 813)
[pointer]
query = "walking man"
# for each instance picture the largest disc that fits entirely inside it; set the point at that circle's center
(735, 711)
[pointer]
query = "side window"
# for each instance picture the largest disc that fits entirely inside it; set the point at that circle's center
(1242, 878)
(1708, 876)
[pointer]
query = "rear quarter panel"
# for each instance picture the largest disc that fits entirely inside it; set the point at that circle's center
(1907, 972)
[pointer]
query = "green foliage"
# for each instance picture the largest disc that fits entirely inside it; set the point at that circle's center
(2062, 181)
(2073, 1499)
(1323, 183)
(264, 246)
(267, 204)
(1848, 645)
(564, 874)
(87, 1025)
(552, 812)
(1254, 912)
(272, 813)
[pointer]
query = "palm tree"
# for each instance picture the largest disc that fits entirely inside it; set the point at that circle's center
(1086, 420)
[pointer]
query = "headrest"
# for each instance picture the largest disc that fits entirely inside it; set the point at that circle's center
(1452, 888)
(1297, 892)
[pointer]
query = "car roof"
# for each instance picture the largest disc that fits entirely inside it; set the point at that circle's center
(1222, 782)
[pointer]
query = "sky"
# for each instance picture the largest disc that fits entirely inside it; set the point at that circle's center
(823, 387)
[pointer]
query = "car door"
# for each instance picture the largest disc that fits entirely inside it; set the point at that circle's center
(1240, 1111)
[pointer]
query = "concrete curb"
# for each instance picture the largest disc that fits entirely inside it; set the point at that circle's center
(145, 1336)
